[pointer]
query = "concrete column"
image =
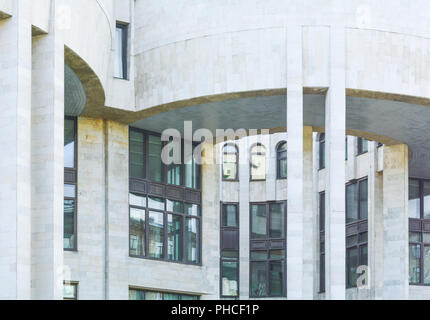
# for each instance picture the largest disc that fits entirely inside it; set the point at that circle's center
(299, 245)
(335, 172)
(47, 150)
(116, 209)
(15, 147)
(395, 209)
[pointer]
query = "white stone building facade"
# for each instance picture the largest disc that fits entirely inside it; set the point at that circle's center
(88, 211)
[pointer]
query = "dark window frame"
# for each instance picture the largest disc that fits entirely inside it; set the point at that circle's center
(225, 259)
(279, 158)
(74, 284)
(360, 150)
(268, 240)
(124, 44)
(421, 222)
(322, 151)
(166, 213)
(71, 178)
(321, 199)
(251, 153)
(236, 178)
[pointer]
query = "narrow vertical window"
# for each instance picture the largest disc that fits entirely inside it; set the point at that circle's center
(137, 154)
(121, 64)
(258, 162)
(321, 151)
(70, 291)
(138, 294)
(322, 240)
(70, 184)
(229, 250)
(230, 160)
(362, 146)
(174, 170)
(155, 163)
(281, 157)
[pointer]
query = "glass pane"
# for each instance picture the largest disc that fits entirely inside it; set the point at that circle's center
(426, 237)
(283, 168)
(155, 203)
(171, 296)
(426, 194)
(137, 154)
(69, 143)
(174, 174)
(363, 256)
(258, 279)
(118, 70)
(414, 237)
(229, 166)
(362, 237)
(70, 291)
(277, 224)
(69, 224)
(174, 206)
(155, 164)
(322, 211)
(192, 240)
(322, 273)
(351, 240)
(276, 274)
(137, 232)
(187, 297)
(351, 203)
(137, 200)
(230, 254)
(192, 209)
(149, 295)
(427, 264)
(229, 280)
(258, 167)
(414, 199)
(277, 254)
(322, 155)
(174, 240)
(414, 263)
(258, 221)
(282, 148)
(192, 172)
(259, 255)
(70, 191)
(352, 264)
(156, 234)
(136, 294)
(363, 199)
(229, 215)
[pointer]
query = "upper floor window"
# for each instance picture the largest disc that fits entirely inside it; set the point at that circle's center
(121, 63)
(321, 150)
(281, 158)
(267, 249)
(146, 163)
(70, 184)
(258, 162)
(362, 146)
(138, 294)
(230, 160)
(419, 237)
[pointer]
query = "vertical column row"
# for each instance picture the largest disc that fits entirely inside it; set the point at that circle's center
(335, 163)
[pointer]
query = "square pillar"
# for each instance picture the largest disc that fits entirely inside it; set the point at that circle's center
(335, 163)
(15, 147)
(300, 180)
(395, 209)
(47, 161)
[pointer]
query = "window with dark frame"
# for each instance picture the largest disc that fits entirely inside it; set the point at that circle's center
(419, 231)
(230, 161)
(281, 160)
(121, 51)
(321, 140)
(229, 246)
(362, 146)
(322, 239)
(70, 184)
(70, 290)
(141, 294)
(356, 229)
(267, 249)
(258, 162)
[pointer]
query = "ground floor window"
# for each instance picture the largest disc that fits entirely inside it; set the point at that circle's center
(70, 291)
(164, 229)
(267, 249)
(139, 294)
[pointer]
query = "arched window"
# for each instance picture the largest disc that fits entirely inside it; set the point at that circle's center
(230, 159)
(258, 162)
(322, 151)
(281, 158)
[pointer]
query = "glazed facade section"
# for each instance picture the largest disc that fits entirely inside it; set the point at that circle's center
(89, 211)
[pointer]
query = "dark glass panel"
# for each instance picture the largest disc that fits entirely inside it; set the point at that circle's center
(174, 240)
(155, 163)
(352, 264)
(258, 221)
(351, 203)
(414, 263)
(69, 143)
(137, 154)
(414, 199)
(276, 278)
(426, 195)
(69, 224)
(229, 215)
(137, 232)
(259, 255)
(258, 279)
(277, 225)
(363, 199)
(192, 240)
(229, 279)
(174, 206)
(156, 234)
